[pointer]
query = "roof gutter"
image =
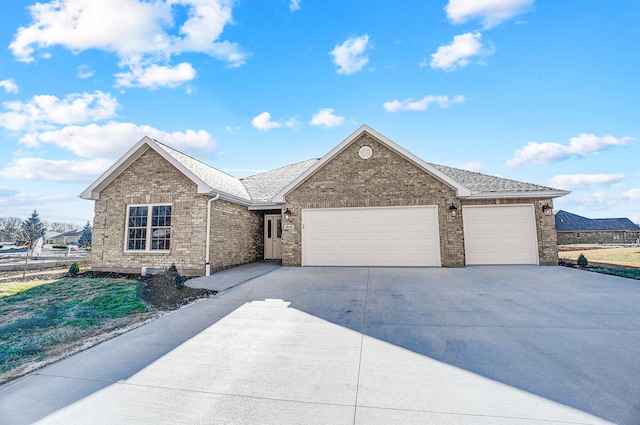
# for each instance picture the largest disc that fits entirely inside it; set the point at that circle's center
(504, 195)
(207, 266)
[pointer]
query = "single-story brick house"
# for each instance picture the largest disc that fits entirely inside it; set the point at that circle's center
(575, 229)
(368, 202)
(66, 238)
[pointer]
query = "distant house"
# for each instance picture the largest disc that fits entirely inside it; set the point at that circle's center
(66, 238)
(575, 229)
(48, 237)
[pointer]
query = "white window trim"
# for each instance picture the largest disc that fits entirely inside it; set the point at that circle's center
(147, 249)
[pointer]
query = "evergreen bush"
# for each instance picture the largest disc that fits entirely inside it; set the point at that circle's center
(582, 261)
(74, 269)
(178, 279)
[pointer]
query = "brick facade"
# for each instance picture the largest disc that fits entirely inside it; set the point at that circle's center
(152, 180)
(385, 179)
(390, 179)
(598, 237)
(236, 235)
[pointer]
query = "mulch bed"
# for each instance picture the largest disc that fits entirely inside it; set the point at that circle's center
(158, 291)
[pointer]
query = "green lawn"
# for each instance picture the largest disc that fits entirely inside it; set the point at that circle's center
(42, 320)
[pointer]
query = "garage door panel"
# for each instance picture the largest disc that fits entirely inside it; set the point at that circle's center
(394, 236)
(500, 235)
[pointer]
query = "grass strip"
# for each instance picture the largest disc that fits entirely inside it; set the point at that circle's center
(51, 318)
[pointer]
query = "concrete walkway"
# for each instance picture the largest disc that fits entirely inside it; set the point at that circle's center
(225, 279)
(479, 345)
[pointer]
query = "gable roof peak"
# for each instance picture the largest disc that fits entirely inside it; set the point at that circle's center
(207, 178)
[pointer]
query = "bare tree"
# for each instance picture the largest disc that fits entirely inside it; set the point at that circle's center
(57, 226)
(8, 227)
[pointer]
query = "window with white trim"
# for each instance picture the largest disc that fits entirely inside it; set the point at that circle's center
(148, 228)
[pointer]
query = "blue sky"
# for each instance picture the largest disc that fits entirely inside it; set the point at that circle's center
(546, 92)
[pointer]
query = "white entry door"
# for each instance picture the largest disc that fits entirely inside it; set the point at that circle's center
(273, 237)
(382, 236)
(500, 234)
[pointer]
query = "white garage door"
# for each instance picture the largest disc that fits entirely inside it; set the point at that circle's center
(385, 236)
(504, 234)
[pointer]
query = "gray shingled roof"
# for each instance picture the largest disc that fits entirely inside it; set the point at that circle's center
(568, 222)
(216, 179)
(484, 183)
(264, 186)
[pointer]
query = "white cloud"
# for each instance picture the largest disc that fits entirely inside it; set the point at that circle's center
(9, 85)
(326, 118)
(572, 181)
(582, 145)
(147, 34)
(111, 140)
(633, 194)
(44, 111)
(598, 201)
(350, 56)
(263, 122)
(489, 12)
(292, 122)
(85, 71)
(459, 52)
(155, 76)
(475, 166)
(422, 104)
(76, 171)
(294, 5)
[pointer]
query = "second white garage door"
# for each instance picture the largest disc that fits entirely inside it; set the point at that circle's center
(385, 236)
(504, 234)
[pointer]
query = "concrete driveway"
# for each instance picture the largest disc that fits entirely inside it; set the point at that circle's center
(487, 345)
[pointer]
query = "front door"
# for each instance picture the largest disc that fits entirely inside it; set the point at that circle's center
(273, 237)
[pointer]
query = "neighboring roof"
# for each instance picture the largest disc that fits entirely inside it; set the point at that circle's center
(263, 187)
(568, 222)
(484, 184)
(268, 189)
(70, 234)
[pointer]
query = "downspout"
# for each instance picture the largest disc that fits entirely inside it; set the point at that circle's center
(207, 266)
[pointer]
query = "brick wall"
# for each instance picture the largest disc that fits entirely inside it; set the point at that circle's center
(385, 179)
(236, 235)
(151, 180)
(602, 237)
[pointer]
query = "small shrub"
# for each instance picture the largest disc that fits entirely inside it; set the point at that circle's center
(74, 269)
(178, 279)
(582, 261)
(60, 246)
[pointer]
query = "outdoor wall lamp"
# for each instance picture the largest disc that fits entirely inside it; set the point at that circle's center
(453, 210)
(546, 209)
(288, 214)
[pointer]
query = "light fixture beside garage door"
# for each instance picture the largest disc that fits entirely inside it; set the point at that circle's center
(453, 212)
